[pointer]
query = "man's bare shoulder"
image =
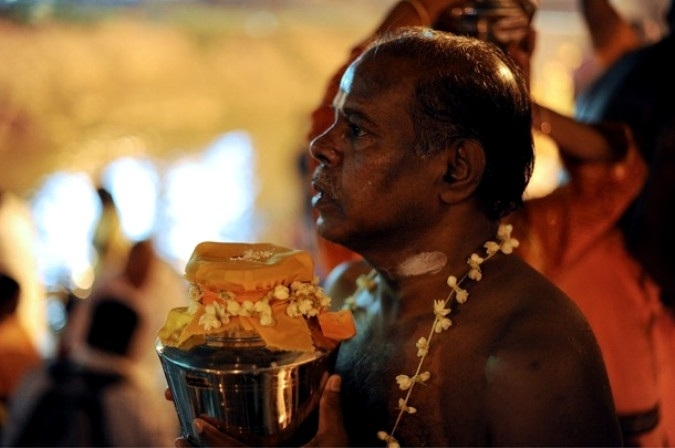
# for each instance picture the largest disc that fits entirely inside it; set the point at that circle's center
(543, 365)
(532, 315)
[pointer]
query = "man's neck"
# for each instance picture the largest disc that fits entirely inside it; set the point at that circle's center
(441, 250)
(424, 268)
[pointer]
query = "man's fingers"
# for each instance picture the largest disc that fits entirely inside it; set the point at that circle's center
(331, 432)
(210, 433)
(330, 399)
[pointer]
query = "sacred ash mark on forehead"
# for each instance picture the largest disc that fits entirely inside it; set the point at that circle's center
(345, 87)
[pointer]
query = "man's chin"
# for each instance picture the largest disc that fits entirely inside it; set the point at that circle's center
(329, 233)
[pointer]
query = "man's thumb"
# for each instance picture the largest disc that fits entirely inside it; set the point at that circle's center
(331, 432)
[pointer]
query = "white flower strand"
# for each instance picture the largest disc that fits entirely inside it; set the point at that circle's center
(441, 323)
(302, 298)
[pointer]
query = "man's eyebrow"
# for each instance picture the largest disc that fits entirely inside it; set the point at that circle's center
(353, 112)
(357, 115)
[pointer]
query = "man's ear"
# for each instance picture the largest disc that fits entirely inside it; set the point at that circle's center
(465, 165)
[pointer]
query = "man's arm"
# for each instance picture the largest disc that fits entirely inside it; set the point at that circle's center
(584, 142)
(611, 35)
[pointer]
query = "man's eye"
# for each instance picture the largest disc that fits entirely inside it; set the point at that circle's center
(355, 130)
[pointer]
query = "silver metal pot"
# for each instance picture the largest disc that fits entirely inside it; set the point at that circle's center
(258, 396)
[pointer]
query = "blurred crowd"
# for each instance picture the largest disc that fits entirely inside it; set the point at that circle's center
(99, 383)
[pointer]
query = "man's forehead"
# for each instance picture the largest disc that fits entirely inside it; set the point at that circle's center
(339, 100)
(373, 87)
(375, 73)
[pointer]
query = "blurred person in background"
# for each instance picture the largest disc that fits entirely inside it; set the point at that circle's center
(24, 333)
(149, 286)
(571, 235)
(109, 241)
(638, 89)
(19, 260)
(17, 351)
(610, 35)
(108, 365)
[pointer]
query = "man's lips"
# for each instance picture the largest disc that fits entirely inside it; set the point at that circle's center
(320, 197)
(322, 193)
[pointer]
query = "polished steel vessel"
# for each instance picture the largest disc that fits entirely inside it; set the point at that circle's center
(259, 396)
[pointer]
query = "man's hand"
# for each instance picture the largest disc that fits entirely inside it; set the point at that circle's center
(207, 428)
(209, 434)
(331, 430)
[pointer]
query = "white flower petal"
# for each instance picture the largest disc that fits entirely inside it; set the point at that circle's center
(281, 292)
(452, 281)
(462, 295)
(404, 382)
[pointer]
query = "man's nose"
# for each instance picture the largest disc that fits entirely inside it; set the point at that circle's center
(323, 149)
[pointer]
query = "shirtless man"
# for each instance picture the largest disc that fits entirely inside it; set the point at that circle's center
(430, 147)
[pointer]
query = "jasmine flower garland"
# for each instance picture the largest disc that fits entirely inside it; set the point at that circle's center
(441, 309)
